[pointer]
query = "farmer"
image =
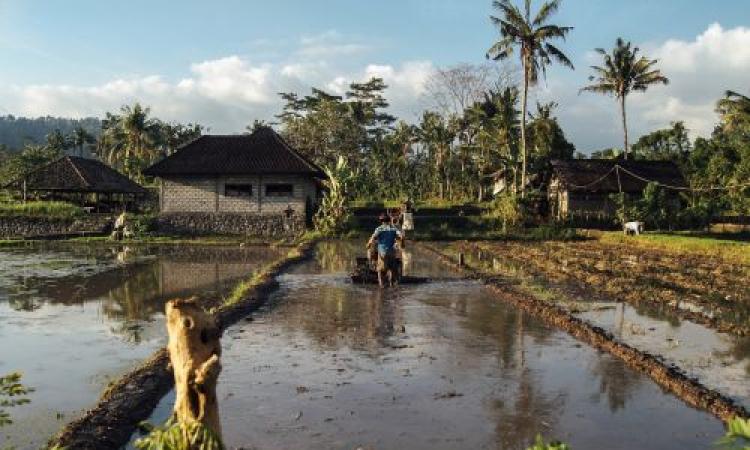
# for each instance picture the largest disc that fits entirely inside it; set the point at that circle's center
(385, 237)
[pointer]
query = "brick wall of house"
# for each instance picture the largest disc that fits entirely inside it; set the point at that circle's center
(187, 194)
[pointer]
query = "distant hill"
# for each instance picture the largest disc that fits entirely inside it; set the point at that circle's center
(15, 132)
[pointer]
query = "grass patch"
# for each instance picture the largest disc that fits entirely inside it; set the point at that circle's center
(40, 209)
(704, 244)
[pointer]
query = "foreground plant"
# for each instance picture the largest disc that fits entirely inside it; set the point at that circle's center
(12, 393)
(737, 436)
(175, 435)
(539, 444)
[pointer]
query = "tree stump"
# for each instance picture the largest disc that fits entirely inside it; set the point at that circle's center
(194, 351)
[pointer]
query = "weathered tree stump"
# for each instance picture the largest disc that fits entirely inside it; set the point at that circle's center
(194, 351)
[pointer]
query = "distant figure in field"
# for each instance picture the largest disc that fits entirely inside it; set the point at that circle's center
(383, 242)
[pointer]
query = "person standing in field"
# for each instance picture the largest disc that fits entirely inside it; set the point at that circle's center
(384, 241)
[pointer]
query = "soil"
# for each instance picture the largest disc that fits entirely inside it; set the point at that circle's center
(704, 289)
(670, 378)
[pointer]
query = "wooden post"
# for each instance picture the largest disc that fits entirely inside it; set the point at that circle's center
(194, 351)
(461, 259)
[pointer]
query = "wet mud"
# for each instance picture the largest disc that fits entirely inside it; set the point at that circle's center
(74, 318)
(670, 377)
(327, 364)
(704, 289)
(132, 398)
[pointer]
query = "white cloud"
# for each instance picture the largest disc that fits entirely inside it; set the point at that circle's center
(700, 70)
(225, 93)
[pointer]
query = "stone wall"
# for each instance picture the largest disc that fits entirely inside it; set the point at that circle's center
(207, 194)
(12, 227)
(272, 226)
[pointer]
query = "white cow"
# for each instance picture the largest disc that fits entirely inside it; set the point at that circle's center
(633, 227)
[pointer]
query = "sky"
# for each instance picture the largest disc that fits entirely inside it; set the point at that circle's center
(222, 63)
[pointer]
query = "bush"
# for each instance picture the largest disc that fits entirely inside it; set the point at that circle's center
(143, 224)
(40, 209)
(507, 210)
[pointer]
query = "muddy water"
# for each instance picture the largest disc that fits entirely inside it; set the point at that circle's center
(72, 318)
(719, 360)
(331, 365)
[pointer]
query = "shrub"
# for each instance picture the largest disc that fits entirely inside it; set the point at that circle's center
(508, 210)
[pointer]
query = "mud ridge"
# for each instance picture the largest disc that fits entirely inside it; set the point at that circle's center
(701, 318)
(670, 378)
(133, 397)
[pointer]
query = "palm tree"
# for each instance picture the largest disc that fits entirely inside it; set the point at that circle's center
(139, 131)
(80, 138)
(734, 109)
(530, 36)
(437, 136)
(624, 72)
(57, 141)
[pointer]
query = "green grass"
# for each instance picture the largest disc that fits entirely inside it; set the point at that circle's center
(727, 246)
(40, 209)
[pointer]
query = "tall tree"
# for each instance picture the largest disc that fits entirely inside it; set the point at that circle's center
(734, 109)
(57, 141)
(531, 37)
(436, 134)
(80, 138)
(141, 133)
(624, 72)
(367, 104)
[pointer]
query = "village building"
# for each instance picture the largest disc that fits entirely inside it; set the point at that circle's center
(257, 174)
(582, 188)
(82, 181)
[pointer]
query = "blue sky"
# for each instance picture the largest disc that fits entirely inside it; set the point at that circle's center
(221, 62)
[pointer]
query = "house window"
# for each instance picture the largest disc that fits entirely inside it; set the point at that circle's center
(238, 190)
(279, 190)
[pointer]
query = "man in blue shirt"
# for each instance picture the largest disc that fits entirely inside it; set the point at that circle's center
(384, 238)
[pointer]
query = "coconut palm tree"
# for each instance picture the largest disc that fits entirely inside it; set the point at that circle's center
(734, 109)
(79, 138)
(624, 72)
(531, 36)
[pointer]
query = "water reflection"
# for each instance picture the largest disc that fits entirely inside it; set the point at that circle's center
(72, 317)
(331, 365)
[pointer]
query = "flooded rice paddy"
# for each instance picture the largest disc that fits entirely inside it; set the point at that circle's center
(721, 361)
(75, 317)
(331, 365)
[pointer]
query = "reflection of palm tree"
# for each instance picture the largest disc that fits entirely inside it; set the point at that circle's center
(24, 303)
(332, 316)
(520, 422)
(615, 381)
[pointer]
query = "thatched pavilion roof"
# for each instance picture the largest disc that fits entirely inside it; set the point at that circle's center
(75, 174)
